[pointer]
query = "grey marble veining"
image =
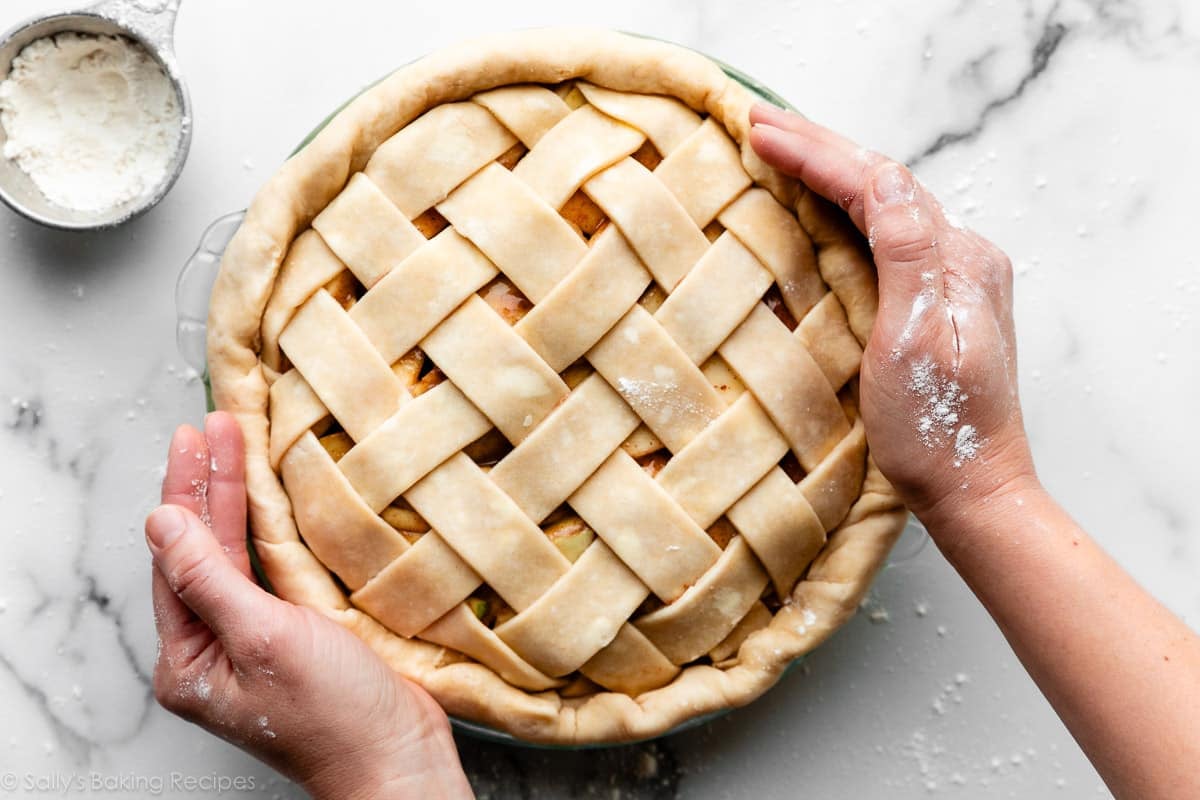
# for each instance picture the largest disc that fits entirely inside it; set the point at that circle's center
(1063, 130)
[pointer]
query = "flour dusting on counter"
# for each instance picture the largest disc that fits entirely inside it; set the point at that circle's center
(93, 120)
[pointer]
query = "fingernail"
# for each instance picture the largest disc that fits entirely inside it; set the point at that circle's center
(177, 443)
(164, 525)
(893, 184)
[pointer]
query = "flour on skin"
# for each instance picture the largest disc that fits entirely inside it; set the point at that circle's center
(939, 413)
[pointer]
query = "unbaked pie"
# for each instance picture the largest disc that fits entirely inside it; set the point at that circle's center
(549, 387)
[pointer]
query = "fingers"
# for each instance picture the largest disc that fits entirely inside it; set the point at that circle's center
(903, 233)
(199, 573)
(766, 114)
(227, 486)
(899, 217)
(186, 481)
(172, 618)
(832, 166)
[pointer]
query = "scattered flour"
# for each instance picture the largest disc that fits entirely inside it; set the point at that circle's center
(966, 444)
(808, 619)
(264, 726)
(93, 120)
(665, 396)
(200, 492)
(876, 612)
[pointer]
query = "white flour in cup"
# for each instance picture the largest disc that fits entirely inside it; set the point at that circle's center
(93, 120)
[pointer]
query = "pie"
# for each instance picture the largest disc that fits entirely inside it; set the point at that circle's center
(549, 387)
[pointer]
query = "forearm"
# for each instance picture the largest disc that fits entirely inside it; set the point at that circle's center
(1119, 668)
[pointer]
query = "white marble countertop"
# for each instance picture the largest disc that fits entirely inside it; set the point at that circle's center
(1063, 130)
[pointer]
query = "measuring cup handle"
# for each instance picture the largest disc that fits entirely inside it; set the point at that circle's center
(152, 20)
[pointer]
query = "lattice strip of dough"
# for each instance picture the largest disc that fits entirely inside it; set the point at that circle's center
(772, 233)
(757, 618)
(630, 664)
(666, 121)
(522, 235)
(461, 630)
(421, 292)
(418, 166)
(295, 409)
(670, 393)
(341, 530)
(577, 616)
(842, 467)
(656, 225)
(414, 440)
(488, 530)
(572, 151)
(543, 470)
(789, 384)
(495, 368)
(714, 298)
(704, 172)
(309, 265)
(341, 365)
(721, 464)
(706, 613)
(635, 516)
(527, 111)
(366, 230)
(781, 527)
(844, 261)
(826, 335)
(420, 586)
(587, 303)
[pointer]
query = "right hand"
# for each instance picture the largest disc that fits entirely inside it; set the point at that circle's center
(939, 375)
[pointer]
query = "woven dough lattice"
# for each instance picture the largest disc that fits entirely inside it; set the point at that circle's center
(565, 400)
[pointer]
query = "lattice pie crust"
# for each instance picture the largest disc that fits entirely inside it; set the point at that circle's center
(548, 387)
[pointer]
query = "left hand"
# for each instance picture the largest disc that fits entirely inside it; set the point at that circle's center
(280, 681)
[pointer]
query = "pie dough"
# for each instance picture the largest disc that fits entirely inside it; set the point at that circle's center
(548, 386)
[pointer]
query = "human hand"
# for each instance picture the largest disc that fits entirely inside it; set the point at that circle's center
(939, 381)
(280, 681)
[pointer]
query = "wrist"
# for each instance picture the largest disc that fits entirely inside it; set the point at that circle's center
(958, 520)
(416, 760)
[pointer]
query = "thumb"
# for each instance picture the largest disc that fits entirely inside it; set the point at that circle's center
(200, 572)
(902, 230)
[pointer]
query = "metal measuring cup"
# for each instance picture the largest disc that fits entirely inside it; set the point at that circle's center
(151, 23)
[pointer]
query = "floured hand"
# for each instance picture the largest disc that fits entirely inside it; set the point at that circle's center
(280, 681)
(939, 385)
